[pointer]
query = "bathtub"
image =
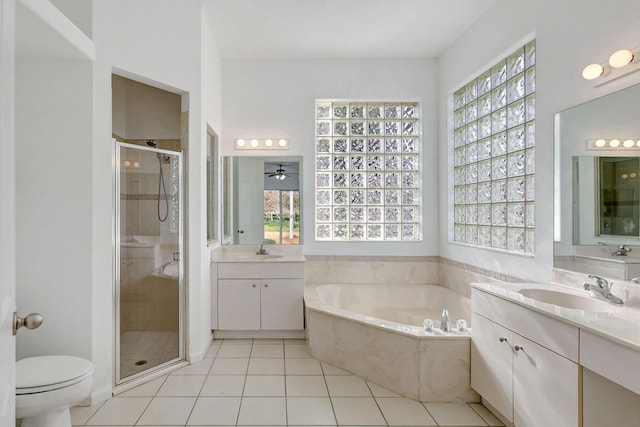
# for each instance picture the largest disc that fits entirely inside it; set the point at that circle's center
(376, 332)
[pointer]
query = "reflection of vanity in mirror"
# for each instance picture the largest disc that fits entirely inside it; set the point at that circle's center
(261, 200)
(598, 205)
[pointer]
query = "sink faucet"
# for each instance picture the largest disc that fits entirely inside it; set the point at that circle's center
(623, 250)
(445, 324)
(262, 250)
(601, 290)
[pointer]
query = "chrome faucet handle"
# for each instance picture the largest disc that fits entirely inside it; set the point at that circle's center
(600, 281)
(635, 280)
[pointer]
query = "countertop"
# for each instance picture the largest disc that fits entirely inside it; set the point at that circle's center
(622, 326)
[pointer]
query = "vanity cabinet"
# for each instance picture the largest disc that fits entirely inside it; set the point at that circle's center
(524, 363)
(260, 299)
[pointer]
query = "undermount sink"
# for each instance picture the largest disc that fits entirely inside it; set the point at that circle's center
(257, 257)
(563, 299)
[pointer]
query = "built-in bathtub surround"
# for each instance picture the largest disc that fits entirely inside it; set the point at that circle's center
(457, 276)
(375, 331)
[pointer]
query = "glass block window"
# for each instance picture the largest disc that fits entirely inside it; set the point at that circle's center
(367, 171)
(494, 155)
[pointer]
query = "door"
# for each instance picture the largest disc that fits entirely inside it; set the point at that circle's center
(281, 304)
(545, 387)
(7, 217)
(149, 288)
(250, 200)
(492, 364)
(239, 304)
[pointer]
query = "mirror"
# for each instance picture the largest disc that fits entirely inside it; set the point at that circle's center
(262, 199)
(597, 189)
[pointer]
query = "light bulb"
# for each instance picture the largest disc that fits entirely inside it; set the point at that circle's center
(620, 58)
(282, 142)
(633, 174)
(136, 164)
(600, 143)
(638, 143)
(614, 143)
(127, 163)
(268, 143)
(254, 143)
(592, 71)
(629, 143)
(240, 142)
(625, 176)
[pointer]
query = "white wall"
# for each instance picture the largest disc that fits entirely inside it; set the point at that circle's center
(158, 42)
(569, 35)
(276, 98)
(78, 12)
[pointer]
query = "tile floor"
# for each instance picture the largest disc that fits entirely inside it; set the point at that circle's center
(270, 383)
(153, 347)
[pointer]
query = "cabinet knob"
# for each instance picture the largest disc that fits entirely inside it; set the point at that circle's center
(503, 339)
(253, 286)
(266, 286)
(518, 348)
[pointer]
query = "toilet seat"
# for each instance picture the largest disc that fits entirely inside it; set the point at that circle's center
(46, 373)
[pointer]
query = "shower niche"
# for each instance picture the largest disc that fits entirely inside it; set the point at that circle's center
(148, 130)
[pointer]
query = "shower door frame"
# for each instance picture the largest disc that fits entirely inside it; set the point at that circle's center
(182, 333)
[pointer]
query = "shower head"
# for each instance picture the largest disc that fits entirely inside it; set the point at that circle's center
(152, 143)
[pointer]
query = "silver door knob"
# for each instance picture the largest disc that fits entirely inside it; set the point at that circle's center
(30, 321)
(518, 348)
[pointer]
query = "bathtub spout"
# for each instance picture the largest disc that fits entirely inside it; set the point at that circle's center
(445, 323)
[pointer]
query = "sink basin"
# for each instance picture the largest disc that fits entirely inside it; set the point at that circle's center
(563, 299)
(256, 257)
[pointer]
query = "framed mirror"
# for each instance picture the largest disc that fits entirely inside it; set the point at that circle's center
(597, 192)
(262, 200)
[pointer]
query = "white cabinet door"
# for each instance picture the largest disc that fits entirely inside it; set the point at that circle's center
(545, 387)
(239, 304)
(282, 304)
(492, 364)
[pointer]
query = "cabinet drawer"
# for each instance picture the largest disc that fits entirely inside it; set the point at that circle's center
(544, 330)
(614, 361)
(260, 270)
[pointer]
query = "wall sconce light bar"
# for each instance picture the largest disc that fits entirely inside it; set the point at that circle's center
(620, 63)
(621, 144)
(261, 144)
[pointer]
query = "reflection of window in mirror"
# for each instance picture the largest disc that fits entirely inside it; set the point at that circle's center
(282, 217)
(618, 193)
(213, 173)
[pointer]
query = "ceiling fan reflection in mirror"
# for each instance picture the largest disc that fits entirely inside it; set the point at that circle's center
(279, 173)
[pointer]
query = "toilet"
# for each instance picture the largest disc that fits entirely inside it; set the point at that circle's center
(47, 386)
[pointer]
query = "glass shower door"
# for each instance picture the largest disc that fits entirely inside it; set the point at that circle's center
(149, 288)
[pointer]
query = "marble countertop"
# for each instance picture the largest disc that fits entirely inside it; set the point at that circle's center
(621, 326)
(269, 258)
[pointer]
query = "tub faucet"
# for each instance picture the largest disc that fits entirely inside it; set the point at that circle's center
(601, 290)
(445, 324)
(623, 250)
(262, 250)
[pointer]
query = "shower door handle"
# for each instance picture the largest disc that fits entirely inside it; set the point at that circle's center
(176, 257)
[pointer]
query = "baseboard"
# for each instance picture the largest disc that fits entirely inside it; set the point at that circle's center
(218, 334)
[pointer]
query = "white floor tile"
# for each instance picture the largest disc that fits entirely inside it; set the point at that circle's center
(266, 366)
(454, 414)
(302, 367)
(347, 386)
(268, 341)
(310, 411)
(80, 414)
(234, 341)
(357, 411)
(404, 412)
(182, 386)
(262, 411)
(297, 351)
(167, 411)
(268, 350)
(212, 352)
(199, 368)
(223, 385)
(239, 350)
(120, 411)
(333, 370)
(295, 341)
(486, 415)
(229, 366)
(145, 390)
(264, 385)
(215, 411)
(306, 385)
(379, 391)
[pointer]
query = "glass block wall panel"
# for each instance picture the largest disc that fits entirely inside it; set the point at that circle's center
(494, 155)
(367, 171)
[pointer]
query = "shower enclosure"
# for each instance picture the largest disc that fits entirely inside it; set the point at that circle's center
(149, 291)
